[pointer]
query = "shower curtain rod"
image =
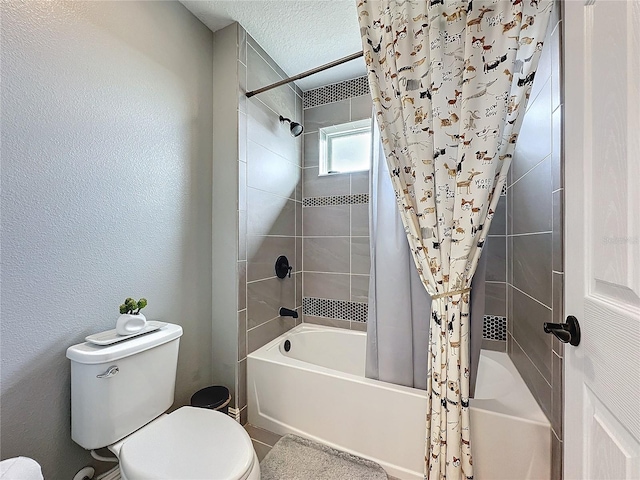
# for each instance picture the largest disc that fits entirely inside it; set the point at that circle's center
(340, 61)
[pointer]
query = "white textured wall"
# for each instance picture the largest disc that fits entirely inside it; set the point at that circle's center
(106, 193)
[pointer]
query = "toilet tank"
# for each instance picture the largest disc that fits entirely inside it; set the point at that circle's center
(116, 389)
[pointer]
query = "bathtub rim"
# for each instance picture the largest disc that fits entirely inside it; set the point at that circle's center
(270, 352)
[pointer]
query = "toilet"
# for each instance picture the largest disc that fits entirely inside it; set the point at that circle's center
(119, 397)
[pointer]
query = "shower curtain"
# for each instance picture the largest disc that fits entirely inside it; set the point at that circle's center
(397, 323)
(450, 80)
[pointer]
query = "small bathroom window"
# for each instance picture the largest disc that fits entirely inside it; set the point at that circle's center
(345, 148)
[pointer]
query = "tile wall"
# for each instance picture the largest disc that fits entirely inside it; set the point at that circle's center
(269, 207)
(534, 238)
(335, 215)
(257, 207)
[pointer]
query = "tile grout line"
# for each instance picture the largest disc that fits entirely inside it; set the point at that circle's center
(532, 298)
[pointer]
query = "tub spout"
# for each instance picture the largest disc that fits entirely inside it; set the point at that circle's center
(285, 312)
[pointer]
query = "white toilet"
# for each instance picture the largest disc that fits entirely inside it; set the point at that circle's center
(119, 396)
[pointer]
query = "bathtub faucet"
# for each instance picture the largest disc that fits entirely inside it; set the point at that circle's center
(285, 312)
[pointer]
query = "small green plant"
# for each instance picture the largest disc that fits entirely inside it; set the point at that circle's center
(132, 307)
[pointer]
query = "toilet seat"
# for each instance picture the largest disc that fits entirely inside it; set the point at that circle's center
(189, 444)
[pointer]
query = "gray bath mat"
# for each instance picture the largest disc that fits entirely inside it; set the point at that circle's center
(296, 458)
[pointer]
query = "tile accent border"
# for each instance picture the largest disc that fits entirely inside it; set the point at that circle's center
(335, 92)
(336, 200)
(341, 309)
(494, 328)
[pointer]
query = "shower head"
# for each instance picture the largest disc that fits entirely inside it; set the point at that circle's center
(296, 128)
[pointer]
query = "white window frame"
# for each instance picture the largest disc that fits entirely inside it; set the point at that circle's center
(326, 134)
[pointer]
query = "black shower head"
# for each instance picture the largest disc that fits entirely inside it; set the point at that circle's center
(296, 128)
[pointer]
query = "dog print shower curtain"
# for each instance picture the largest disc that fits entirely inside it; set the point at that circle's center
(450, 80)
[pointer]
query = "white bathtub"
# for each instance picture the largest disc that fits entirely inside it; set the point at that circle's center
(318, 390)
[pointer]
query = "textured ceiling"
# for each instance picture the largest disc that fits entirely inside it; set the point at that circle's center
(299, 35)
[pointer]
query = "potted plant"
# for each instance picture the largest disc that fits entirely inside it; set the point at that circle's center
(130, 319)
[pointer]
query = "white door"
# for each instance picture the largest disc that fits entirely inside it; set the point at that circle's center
(602, 238)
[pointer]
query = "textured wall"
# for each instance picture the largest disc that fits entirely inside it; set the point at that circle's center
(534, 237)
(106, 193)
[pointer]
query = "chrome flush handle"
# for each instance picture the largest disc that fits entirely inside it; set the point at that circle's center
(111, 371)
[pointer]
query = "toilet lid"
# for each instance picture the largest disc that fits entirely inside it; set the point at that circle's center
(189, 444)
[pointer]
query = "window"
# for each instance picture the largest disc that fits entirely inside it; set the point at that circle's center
(345, 148)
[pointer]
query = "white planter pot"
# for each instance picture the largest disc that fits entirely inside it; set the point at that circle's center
(128, 324)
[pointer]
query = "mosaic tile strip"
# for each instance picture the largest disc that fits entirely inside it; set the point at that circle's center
(323, 307)
(336, 200)
(494, 328)
(335, 92)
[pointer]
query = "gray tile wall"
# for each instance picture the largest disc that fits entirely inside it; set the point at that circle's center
(336, 234)
(534, 241)
(269, 209)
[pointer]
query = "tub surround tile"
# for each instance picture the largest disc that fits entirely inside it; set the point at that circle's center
(557, 453)
(242, 87)
(326, 185)
(360, 220)
(496, 260)
(539, 387)
(336, 92)
(263, 334)
(298, 267)
(264, 128)
(336, 309)
(327, 322)
(265, 297)
(241, 401)
(327, 285)
(558, 309)
(299, 279)
(326, 254)
(499, 220)
(495, 345)
(494, 328)
(311, 149)
(531, 202)
(534, 141)
(495, 299)
(355, 199)
(262, 253)
(326, 115)
(242, 335)
(532, 266)
(359, 326)
(242, 285)
(557, 396)
(528, 317)
(361, 107)
(359, 288)
(280, 100)
(299, 217)
(557, 240)
(557, 169)
(269, 172)
(242, 235)
(359, 182)
(360, 257)
(328, 221)
(270, 214)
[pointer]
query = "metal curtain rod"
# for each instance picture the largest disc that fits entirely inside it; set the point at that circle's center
(340, 61)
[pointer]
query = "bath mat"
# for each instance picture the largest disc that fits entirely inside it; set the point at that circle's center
(296, 458)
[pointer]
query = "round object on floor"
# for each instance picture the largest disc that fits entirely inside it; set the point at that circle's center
(216, 397)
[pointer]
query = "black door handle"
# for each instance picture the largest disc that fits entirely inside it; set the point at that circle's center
(568, 332)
